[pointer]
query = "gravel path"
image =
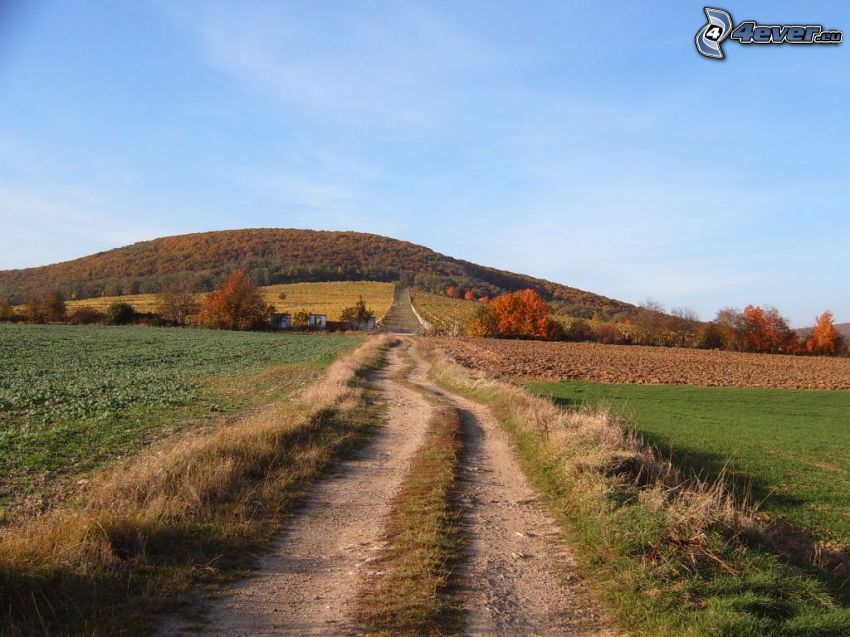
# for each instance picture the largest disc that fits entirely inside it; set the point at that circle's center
(308, 584)
(518, 577)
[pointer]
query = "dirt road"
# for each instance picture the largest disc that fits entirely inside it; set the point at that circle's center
(517, 579)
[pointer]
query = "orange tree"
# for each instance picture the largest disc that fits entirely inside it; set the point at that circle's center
(765, 330)
(521, 314)
(236, 305)
(824, 338)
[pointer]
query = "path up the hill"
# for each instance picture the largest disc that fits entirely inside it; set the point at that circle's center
(400, 318)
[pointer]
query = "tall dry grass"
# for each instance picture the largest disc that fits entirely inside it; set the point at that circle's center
(148, 525)
(602, 456)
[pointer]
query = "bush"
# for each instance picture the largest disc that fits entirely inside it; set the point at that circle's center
(521, 314)
(357, 316)
(607, 334)
(53, 307)
(235, 305)
(300, 320)
(120, 314)
(579, 330)
(86, 316)
(7, 313)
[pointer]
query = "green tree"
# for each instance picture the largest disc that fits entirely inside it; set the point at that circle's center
(120, 313)
(300, 320)
(356, 315)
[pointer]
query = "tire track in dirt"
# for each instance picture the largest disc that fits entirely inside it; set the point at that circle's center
(308, 584)
(519, 578)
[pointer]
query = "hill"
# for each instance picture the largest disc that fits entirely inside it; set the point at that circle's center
(272, 256)
(843, 329)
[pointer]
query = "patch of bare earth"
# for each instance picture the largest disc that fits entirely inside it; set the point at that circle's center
(519, 578)
(647, 365)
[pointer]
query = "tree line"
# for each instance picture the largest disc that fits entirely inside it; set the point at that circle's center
(236, 304)
(526, 315)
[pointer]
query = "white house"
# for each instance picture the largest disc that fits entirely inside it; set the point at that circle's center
(317, 321)
(281, 321)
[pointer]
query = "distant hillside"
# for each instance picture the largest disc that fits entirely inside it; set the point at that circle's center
(199, 261)
(843, 329)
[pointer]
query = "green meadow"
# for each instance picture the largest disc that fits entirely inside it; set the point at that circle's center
(787, 450)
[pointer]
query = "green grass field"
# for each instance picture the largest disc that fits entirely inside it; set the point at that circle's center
(72, 397)
(790, 448)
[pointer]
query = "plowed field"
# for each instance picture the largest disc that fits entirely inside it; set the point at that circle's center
(648, 365)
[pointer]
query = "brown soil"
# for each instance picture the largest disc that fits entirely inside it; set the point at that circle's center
(647, 365)
(519, 577)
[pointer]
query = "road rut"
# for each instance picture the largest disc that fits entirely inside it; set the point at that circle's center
(517, 578)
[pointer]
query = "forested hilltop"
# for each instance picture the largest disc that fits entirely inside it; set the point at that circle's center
(198, 262)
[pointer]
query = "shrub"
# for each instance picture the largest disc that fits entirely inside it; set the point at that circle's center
(300, 320)
(607, 334)
(521, 314)
(711, 337)
(53, 306)
(579, 330)
(357, 315)
(454, 292)
(7, 313)
(120, 313)
(176, 305)
(236, 305)
(86, 315)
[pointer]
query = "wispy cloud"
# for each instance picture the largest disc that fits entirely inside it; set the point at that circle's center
(386, 65)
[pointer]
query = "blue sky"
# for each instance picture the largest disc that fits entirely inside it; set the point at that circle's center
(590, 145)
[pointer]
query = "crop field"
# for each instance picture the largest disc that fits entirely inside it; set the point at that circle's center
(648, 365)
(788, 448)
(325, 298)
(72, 397)
(330, 298)
(443, 312)
(140, 302)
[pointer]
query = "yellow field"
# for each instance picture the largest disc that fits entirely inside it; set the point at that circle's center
(330, 298)
(321, 298)
(443, 312)
(140, 302)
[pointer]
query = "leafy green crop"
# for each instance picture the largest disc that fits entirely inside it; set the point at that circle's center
(57, 373)
(73, 397)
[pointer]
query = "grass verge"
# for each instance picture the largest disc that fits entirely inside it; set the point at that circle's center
(784, 447)
(667, 555)
(196, 512)
(424, 539)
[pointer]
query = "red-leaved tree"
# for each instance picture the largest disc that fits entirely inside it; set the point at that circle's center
(521, 314)
(454, 292)
(765, 330)
(236, 305)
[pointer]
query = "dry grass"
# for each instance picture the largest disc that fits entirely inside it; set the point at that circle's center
(146, 532)
(423, 536)
(607, 452)
(668, 554)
